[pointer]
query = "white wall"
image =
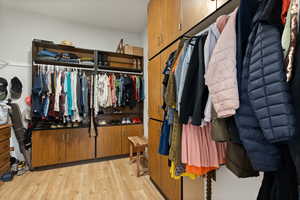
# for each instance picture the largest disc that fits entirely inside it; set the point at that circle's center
(18, 29)
(229, 187)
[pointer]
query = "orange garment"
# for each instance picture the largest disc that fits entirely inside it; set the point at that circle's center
(284, 10)
(199, 171)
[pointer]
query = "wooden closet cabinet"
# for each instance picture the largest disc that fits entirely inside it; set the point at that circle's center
(113, 140)
(154, 27)
(193, 11)
(109, 141)
(48, 147)
(220, 3)
(171, 21)
(164, 24)
(51, 147)
(155, 78)
(155, 88)
(4, 148)
(158, 165)
(79, 146)
(154, 157)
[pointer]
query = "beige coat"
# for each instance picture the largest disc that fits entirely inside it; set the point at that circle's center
(221, 73)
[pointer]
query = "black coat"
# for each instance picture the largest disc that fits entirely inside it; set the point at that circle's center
(266, 114)
(195, 92)
(282, 184)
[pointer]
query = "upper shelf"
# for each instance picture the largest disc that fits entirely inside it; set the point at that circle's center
(102, 60)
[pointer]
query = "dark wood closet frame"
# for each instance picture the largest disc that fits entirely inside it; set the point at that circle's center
(65, 146)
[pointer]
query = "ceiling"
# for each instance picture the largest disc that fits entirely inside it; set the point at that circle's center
(121, 15)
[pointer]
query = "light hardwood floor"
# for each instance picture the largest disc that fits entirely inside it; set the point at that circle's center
(107, 180)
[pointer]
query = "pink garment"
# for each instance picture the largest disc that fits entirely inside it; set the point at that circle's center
(198, 148)
(221, 22)
(220, 76)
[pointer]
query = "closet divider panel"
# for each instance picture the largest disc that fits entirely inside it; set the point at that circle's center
(48, 147)
(109, 141)
(80, 145)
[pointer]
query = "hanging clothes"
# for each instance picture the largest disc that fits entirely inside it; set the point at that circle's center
(195, 92)
(212, 37)
(199, 150)
(60, 96)
(264, 104)
(221, 73)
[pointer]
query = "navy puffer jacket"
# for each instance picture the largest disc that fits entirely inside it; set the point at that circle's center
(265, 115)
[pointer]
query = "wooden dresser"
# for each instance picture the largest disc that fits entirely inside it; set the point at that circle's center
(4, 148)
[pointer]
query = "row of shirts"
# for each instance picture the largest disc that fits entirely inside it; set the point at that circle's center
(68, 96)
(61, 95)
(113, 91)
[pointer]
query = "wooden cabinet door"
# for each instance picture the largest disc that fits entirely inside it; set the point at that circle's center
(109, 141)
(193, 11)
(127, 131)
(221, 3)
(171, 21)
(155, 88)
(48, 147)
(79, 146)
(154, 157)
(154, 27)
(169, 186)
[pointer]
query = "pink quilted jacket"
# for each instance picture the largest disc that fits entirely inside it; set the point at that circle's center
(220, 76)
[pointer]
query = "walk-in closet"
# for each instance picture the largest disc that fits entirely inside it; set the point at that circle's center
(149, 100)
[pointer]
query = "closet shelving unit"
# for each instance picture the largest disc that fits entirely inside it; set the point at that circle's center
(52, 146)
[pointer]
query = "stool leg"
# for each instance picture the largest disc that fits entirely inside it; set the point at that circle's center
(131, 153)
(138, 163)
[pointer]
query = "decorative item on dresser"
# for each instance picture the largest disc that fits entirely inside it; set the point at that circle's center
(4, 148)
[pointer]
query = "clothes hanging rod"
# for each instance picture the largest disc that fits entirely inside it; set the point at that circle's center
(119, 72)
(90, 69)
(65, 67)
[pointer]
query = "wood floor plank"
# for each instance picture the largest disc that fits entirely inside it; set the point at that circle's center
(108, 180)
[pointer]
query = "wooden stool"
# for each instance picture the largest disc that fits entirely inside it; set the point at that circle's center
(139, 144)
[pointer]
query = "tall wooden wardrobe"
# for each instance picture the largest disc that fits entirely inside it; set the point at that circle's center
(168, 21)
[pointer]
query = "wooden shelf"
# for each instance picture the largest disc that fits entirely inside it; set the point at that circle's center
(119, 124)
(123, 69)
(59, 63)
(118, 114)
(43, 129)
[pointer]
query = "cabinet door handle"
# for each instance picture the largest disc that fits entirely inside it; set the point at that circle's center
(179, 26)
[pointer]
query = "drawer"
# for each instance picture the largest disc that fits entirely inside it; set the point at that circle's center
(5, 168)
(4, 146)
(4, 158)
(4, 134)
